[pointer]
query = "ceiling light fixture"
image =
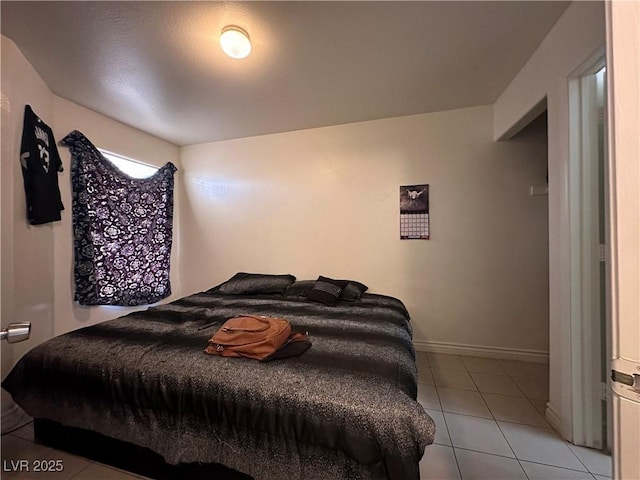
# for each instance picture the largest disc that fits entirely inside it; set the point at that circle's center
(235, 42)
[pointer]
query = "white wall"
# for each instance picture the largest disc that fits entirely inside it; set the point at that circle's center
(27, 272)
(325, 201)
(36, 261)
(115, 137)
(576, 38)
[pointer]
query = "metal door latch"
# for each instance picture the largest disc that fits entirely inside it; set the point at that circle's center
(632, 380)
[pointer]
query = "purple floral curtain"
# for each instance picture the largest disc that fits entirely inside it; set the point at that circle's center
(122, 229)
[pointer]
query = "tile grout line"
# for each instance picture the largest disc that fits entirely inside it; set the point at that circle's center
(82, 470)
(504, 456)
(444, 419)
(576, 455)
(492, 417)
(497, 424)
(530, 402)
(546, 425)
(12, 432)
(563, 440)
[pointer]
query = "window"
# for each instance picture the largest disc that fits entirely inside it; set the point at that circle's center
(133, 168)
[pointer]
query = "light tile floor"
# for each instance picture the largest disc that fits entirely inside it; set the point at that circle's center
(490, 423)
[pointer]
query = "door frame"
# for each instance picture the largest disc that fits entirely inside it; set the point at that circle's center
(587, 385)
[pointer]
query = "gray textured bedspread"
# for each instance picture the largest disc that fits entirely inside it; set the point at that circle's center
(345, 409)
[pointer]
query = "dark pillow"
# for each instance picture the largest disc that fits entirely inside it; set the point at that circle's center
(360, 286)
(255, 283)
(327, 290)
(350, 293)
(353, 291)
(300, 288)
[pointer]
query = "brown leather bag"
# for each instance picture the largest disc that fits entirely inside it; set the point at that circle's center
(251, 336)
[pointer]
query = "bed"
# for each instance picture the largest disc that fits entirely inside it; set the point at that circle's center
(344, 409)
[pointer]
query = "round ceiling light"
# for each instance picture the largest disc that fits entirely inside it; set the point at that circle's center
(235, 42)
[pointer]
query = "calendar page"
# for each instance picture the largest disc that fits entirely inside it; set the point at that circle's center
(414, 212)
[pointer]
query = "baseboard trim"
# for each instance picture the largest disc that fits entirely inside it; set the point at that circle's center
(553, 417)
(482, 351)
(13, 417)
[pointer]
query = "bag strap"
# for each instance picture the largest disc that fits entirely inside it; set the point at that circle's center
(296, 345)
(263, 320)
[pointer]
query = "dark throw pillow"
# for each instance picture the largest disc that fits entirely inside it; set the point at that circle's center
(353, 291)
(256, 283)
(327, 290)
(300, 288)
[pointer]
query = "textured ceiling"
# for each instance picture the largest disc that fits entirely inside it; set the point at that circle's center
(157, 66)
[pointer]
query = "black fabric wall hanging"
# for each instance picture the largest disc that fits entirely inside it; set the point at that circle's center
(122, 229)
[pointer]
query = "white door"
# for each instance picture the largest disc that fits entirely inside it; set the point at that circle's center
(623, 70)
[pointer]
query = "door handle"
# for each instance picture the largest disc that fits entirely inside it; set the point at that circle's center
(16, 332)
